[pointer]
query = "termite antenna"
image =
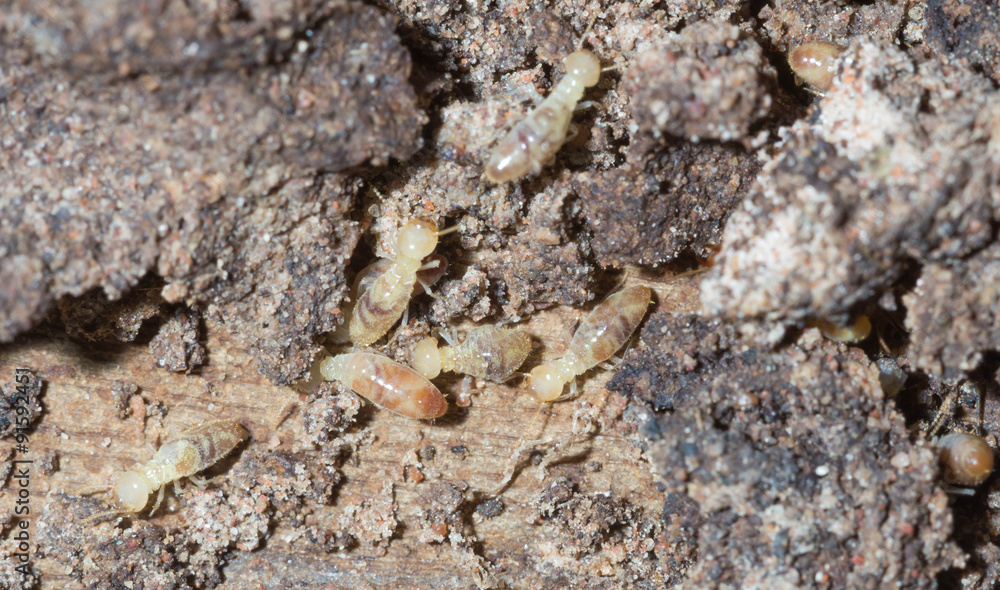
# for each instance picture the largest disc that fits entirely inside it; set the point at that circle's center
(92, 491)
(94, 517)
(448, 230)
(586, 31)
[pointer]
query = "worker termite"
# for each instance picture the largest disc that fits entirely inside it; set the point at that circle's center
(434, 267)
(966, 459)
(816, 63)
(854, 333)
(537, 138)
(196, 448)
(600, 335)
(386, 383)
(488, 352)
(384, 302)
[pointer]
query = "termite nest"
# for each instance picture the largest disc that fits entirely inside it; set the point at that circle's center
(383, 291)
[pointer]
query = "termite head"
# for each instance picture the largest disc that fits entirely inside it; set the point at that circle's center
(545, 383)
(966, 459)
(584, 66)
(425, 358)
(131, 492)
(417, 239)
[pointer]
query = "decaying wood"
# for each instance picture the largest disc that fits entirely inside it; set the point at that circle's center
(583, 439)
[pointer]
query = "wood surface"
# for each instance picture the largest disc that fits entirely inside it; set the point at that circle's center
(80, 424)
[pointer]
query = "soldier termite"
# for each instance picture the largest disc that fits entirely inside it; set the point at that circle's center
(384, 302)
(537, 138)
(434, 267)
(488, 352)
(600, 335)
(196, 448)
(816, 63)
(386, 383)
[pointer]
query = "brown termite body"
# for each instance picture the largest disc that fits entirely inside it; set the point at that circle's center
(386, 383)
(493, 353)
(536, 139)
(816, 63)
(600, 335)
(966, 459)
(383, 303)
(197, 448)
(433, 268)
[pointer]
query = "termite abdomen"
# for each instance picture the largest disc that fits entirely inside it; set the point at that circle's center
(966, 459)
(816, 63)
(386, 383)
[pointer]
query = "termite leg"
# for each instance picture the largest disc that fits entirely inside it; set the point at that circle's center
(201, 482)
(583, 37)
(159, 498)
(427, 289)
(448, 336)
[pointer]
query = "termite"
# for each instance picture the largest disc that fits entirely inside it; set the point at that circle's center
(384, 302)
(386, 383)
(816, 63)
(537, 138)
(854, 333)
(196, 448)
(488, 352)
(597, 339)
(966, 459)
(434, 267)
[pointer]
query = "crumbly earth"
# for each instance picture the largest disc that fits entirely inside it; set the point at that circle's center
(213, 167)
(175, 346)
(122, 394)
(966, 30)
(787, 23)
(93, 317)
(664, 203)
(951, 340)
(796, 450)
(706, 82)
(187, 190)
(864, 187)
